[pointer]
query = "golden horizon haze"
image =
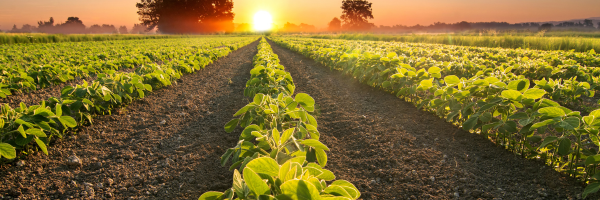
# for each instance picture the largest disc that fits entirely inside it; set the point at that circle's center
(318, 13)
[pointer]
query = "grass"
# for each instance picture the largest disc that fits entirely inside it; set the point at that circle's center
(579, 44)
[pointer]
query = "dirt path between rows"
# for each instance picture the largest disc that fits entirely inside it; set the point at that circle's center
(165, 146)
(391, 150)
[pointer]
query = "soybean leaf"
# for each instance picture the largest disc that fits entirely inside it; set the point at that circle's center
(306, 101)
(243, 110)
(211, 196)
(565, 147)
(7, 151)
(264, 165)
(68, 121)
(534, 93)
(451, 80)
(591, 188)
(548, 140)
(543, 123)
(337, 191)
(230, 126)
(321, 157)
(519, 85)
(595, 159)
(349, 187)
(300, 190)
(36, 132)
(511, 94)
(552, 111)
(315, 143)
(255, 183)
(42, 145)
(471, 122)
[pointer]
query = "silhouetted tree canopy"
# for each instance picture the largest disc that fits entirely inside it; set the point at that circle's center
(335, 24)
(123, 30)
(46, 27)
(187, 16)
(355, 14)
(138, 29)
(546, 27)
(72, 25)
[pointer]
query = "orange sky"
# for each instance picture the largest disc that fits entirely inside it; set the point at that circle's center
(315, 12)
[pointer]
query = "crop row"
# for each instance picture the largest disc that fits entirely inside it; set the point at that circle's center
(562, 85)
(34, 66)
(279, 153)
(469, 60)
(77, 105)
(549, 41)
(511, 112)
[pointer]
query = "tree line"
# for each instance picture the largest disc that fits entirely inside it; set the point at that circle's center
(74, 25)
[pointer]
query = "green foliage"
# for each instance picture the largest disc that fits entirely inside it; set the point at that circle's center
(279, 152)
(27, 67)
(20, 126)
(29, 38)
(496, 99)
(556, 41)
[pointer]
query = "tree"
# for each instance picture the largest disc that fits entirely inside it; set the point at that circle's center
(26, 28)
(356, 13)
(546, 27)
(139, 29)
(72, 25)
(15, 29)
(46, 27)
(187, 16)
(123, 30)
(109, 28)
(588, 23)
(335, 24)
(598, 25)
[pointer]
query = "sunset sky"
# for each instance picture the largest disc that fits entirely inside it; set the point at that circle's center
(314, 12)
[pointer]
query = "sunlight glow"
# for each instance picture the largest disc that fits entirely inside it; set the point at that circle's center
(262, 21)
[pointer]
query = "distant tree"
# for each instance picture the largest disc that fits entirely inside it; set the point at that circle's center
(15, 29)
(190, 16)
(139, 29)
(355, 14)
(546, 27)
(335, 24)
(72, 25)
(461, 26)
(46, 27)
(109, 28)
(289, 27)
(95, 29)
(26, 28)
(123, 30)
(307, 27)
(598, 25)
(588, 23)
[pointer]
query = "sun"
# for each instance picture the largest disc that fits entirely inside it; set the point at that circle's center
(262, 21)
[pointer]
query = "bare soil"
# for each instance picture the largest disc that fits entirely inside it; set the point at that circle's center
(391, 150)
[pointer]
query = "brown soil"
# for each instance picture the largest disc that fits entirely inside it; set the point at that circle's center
(391, 150)
(135, 154)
